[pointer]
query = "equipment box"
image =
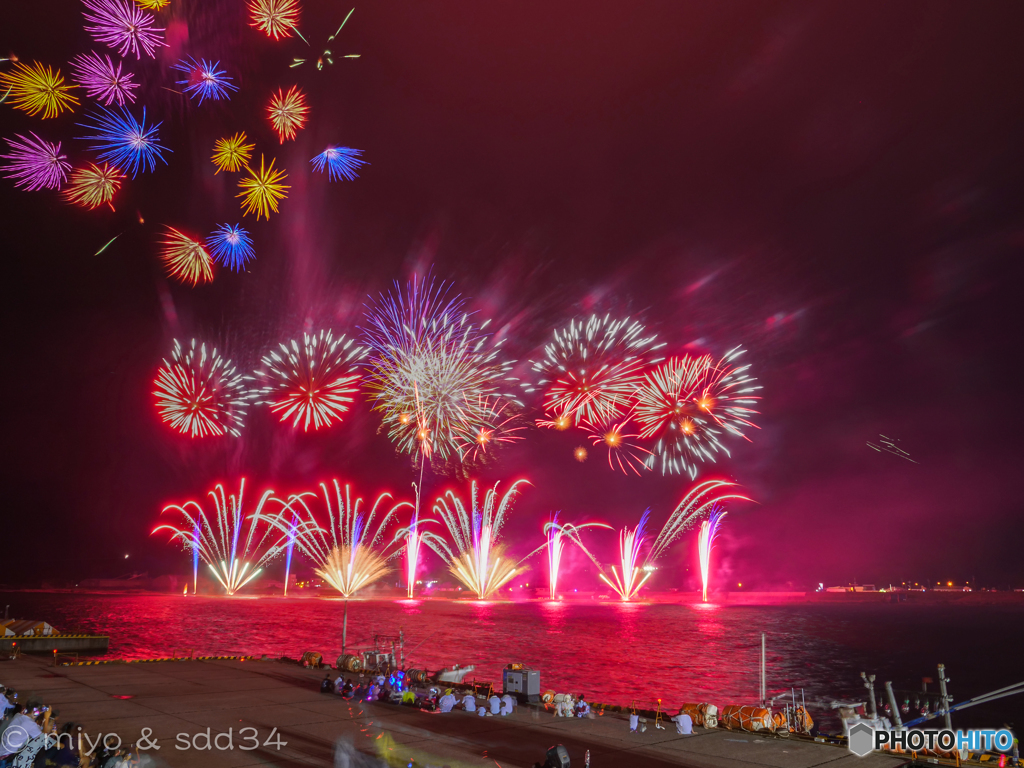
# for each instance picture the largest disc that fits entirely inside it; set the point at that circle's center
(524, 684)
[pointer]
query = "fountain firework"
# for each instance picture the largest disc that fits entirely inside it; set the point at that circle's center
(630, 544)
(343, 553)
(474, 557)
(700, 499)
(234, 552)
(705, 540)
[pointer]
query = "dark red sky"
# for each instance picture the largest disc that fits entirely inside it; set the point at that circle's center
(837, 187)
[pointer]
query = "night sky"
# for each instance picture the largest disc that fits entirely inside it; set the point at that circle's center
(836, 187)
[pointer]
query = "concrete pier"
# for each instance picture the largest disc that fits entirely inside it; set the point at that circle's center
(189, 697)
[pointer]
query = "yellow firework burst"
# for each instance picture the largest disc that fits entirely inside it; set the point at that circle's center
(153, 5)
(185, 258)
(287, 112)
(35, 88)
(275, 17)
(93, 185)
(232, 153)
(261, 190)
(348, 569)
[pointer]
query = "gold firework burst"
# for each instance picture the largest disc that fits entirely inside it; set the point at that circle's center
(153, 5)
(93, 186)
(35, 88)
(185, 258)
(262, 190)
(287, 112)
(275, 17)
(232, 154)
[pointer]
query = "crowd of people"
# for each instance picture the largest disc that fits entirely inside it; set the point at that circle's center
(32, 736)
(435, 699)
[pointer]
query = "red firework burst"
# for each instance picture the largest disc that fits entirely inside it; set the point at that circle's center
(200, 394)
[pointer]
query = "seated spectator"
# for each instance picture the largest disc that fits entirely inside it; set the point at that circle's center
(582, 707)
(469, 702)
(346, 691)
(495, 704)
(684, 724)
(327, 686)
(447, 702)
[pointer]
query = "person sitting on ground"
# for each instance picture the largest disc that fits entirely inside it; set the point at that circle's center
(481, 711)
(582, 707)
(469, 702)
(510, 700)
(372, 692)
(506, 706)
(684, 724)
(495, 704)
(346, 691)
(359, 692)
(447, 702)
(326, 685)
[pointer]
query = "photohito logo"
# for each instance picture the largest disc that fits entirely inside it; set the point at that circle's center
(14, 738)
(862, 739)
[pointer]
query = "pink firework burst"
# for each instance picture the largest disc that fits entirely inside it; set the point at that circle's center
(102, 79)
(200, 394)
(35, 163)
(123, 26)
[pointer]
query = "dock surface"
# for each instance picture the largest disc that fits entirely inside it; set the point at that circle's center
(189, 697)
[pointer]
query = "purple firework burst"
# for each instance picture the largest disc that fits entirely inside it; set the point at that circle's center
(103, 79)
(205, 79)
(35, 163)
(339, 162)
(123, 26)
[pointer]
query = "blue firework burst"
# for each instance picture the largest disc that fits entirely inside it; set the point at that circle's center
(340, 162)
(124, 141)
(206, 80)
(230, 246)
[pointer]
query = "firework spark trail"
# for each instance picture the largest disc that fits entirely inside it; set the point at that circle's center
(262, 190)
(103, 79)
(340, 163)
(35, 88)
(327, 56)
(312, 382)
(230, 246)
(630, 544)
(626, 455)
(555, 536)
(705, 541)
(473, 555)
(123, 26)
(125, 142)
(35, 164)
(93, 186)
(185, 258)
(347, 553)
(700, 499)
(499, 427)
(206, 80)
(432, 370)
(277, 18)
(199, 393)
(591, 369)
(231, 153)
(888, 445)
(288, 112)
(234, 552)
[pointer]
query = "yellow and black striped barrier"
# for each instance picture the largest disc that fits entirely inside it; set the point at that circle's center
(97, 662)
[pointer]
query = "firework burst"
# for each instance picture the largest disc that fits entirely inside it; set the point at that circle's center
(123, 26)
(591, 369)
(262, 190)
(688, 404)
(278, 18)
(432, 373)
(185, 258)
(287, 112)
(501, 425)
(349, 553)
(556, 535)
(125, 142)
(200, 394)
(205, 79)
(313, 382)
(622, 452)
(94, 185)
(230, 246)
(153, 5)
(339, 162)
(103, 80)
(633, 577)
(35, 163)
(35, 88)
(234, 545)
(474, 556)
(232, 154)
(705, 541)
